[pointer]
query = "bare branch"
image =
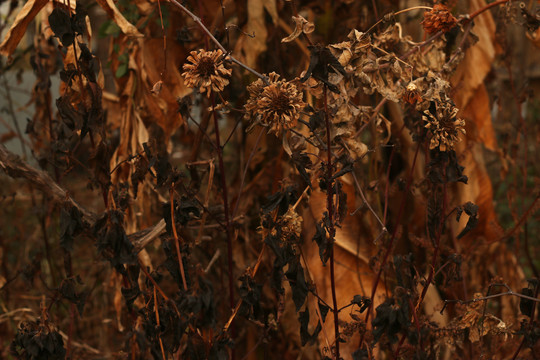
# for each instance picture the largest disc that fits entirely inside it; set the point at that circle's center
(16, 167)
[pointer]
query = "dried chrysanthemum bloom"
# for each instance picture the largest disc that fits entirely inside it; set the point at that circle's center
(276, 106)
(444, 126)
(205, 70)
(438, 19)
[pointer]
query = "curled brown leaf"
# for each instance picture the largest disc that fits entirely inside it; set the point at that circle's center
(302, 26)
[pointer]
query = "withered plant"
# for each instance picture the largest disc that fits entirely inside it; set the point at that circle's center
(269, 180)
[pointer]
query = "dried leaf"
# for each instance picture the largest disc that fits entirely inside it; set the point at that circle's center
(301, 26)
(124, 25)
(478, 59)
(479, 125)
(253, 47)
(18, 29)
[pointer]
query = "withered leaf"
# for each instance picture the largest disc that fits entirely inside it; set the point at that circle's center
(67, 291)
(126, 27)
(297, 280)
(322, 241)
(302, 162)
(322, 63)
(60, 22)
(17, 30)
(526, 306)
(71, 225)
(281, 201)
(471, 210)
(363, 302)
(305, 336)
(301, 26)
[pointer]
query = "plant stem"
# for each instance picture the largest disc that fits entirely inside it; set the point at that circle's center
(437, 243)
(177, 241)
(332, 230)
(392, 239)
(487, 7)
(225, 196)
(253, 151)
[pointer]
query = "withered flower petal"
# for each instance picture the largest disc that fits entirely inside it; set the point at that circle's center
(276, 106)
(205, 70)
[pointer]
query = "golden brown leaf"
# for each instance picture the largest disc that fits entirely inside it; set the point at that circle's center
(251, 48)
(478, 59)
(478, 119)
(18, 29)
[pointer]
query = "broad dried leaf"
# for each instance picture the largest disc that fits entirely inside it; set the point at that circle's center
(151, 64)
(478, 59)
(251, 48)
(346, 235)
(479, 124)
(18, 29)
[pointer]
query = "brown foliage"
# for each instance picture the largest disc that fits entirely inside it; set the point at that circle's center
(252, 178)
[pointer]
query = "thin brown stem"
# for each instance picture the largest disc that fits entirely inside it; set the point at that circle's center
(494, 296)
(225, 195)
(437, 248)
(177, 240)
(359, 188)
(487, 7)
(164, 71)
(251, 155)
(392, 239)
(156, 310)
(331, 230)
(253, 273)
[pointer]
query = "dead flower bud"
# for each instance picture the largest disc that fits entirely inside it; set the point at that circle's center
(444, 127)
(292, 224)
(156, 89)
(411, 95)
(438, 19)
(287, 228)
(276, 106)
(205, 70)
(223, 107)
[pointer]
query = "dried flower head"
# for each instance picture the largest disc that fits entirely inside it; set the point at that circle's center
(286, 229)
(276, 106)
(438, 19)
(205, 70)
(291, 225)
(444, 126)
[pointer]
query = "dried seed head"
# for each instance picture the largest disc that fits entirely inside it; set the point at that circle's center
(444, 126)
(438, 19)
(205, 70)
(276, 106)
